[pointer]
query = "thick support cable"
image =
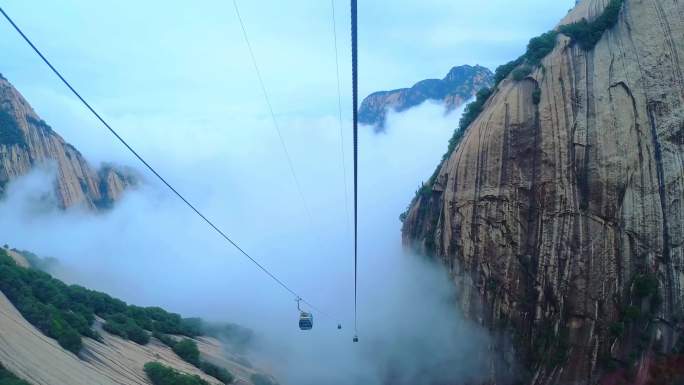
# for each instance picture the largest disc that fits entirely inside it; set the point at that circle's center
(355, 103)
(341, 126)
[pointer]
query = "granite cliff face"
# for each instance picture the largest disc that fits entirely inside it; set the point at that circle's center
(27, 141)
(460, 84)
(560, 215)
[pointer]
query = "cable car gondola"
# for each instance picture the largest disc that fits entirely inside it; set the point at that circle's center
(305, 319)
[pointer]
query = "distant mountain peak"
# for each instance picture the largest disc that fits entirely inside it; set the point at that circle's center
(459, 85)
(462, 73)
(27, 141)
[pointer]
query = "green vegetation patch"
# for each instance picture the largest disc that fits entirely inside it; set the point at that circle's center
(40, 123)
(166, 340)
(217, 372)
(10, 132)
(8, 378)
(617, 329)
(126, 328)
(631, 314)
(164, 375)
(66, 313)
(521, 73)
(504, 70)
(260, 379)
(588, 33)
(536, 96)
(188, 351)
(645, 285)
(539, 47)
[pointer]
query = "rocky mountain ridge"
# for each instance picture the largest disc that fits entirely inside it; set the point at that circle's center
(27, 141)
(456, 88)
(560, 213)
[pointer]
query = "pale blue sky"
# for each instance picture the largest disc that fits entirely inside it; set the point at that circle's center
(146, 57)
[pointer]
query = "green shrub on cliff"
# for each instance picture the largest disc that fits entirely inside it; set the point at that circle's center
(521, 73)
(504, 70)
(126, 328)
(471, 112)
(217, 372)
(10, 132)
(260, 379)
(188, 351)
(536, 96)
(539, 47)
(645, 285)
(588, 33)
(166, 340)
(164, 375)
(8, 378)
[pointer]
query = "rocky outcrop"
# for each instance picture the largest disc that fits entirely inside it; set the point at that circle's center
(26, 141)
(460, 85)
(561, 213)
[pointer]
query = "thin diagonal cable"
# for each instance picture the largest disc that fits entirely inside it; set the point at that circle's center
(149, 167)
(355, 103)
(339, 109)
(270, 110)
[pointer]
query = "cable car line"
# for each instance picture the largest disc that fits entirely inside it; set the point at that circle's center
(339, 109)
(267, 98)
(355, 103)
(151, 169)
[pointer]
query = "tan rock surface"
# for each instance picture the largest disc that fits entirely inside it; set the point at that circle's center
(77, 182)
(545, 213)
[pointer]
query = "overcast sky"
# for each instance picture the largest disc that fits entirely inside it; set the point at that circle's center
(188, 61)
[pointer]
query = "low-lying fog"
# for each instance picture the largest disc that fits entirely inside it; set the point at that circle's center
(151, 250)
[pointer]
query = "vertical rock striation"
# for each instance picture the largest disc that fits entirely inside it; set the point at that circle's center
(27, 141)
(561, 213)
